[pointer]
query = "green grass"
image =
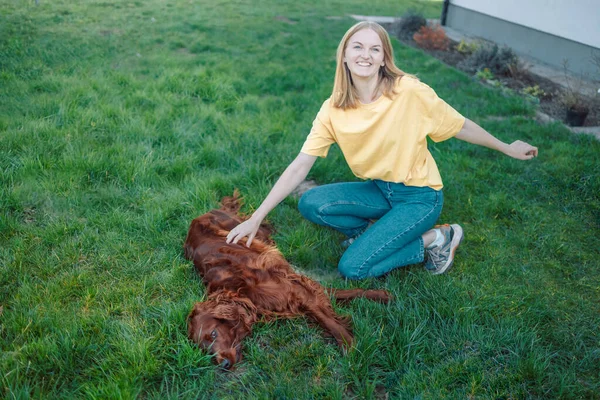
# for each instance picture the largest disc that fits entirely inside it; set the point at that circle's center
(121, 121)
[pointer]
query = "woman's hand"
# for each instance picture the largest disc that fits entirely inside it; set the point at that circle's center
(247, 228)
(521, 150)
(291, 177)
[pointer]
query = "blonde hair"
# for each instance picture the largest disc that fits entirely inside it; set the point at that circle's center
(344, 93)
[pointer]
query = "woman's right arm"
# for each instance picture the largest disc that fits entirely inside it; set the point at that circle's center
(288, 181)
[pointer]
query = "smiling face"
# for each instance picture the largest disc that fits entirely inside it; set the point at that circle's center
(364, 54)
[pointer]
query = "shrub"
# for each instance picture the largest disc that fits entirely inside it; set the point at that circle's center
(466, 48)
(498, 60)
(484, 74)
(535, 91)
(518, 69)
(432, 38)
(572, 96)
(410, 23)
(574, 101)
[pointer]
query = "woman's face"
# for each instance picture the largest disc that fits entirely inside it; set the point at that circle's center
(364, 54)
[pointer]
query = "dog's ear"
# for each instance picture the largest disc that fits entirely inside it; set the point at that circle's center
(225, 311)
(188, 251)
(231, 204)
(193, 330)
(235, 313)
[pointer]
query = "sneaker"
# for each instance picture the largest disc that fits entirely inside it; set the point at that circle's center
(440, 258)
(346, 243)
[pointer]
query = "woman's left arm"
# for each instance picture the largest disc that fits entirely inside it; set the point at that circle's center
(473, 133)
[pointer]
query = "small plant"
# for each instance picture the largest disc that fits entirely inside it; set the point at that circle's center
(518, 68)
(465, 47)
(573, 101)
(535, 91)
(576, 103)
(572, 96)
(432, 38)
(496, 59)
(487, 76)
(484, 75)
(410, 23)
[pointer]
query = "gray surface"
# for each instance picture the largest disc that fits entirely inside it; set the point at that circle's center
(545, 47)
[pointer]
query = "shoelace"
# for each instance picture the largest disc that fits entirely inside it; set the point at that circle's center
(437, 254)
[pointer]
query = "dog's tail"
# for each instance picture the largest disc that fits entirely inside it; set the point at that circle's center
(343, 296)
(231, 203)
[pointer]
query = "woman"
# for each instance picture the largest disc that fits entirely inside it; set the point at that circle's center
(380, 117)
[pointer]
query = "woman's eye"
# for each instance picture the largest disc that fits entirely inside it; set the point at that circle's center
(376, 50)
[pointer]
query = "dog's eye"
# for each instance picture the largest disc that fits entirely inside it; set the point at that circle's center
(213, 334)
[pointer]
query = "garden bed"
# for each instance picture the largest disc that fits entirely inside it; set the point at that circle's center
(549, 101)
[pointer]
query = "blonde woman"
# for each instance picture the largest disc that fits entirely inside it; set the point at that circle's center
(380, 117)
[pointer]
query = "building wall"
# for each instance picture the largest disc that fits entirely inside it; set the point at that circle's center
(577, 20)
(549, 30)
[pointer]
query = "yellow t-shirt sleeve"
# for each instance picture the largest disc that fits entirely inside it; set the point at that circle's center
(320, 138)
(445, 121)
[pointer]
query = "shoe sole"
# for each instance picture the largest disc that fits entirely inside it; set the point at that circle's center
(456, 241)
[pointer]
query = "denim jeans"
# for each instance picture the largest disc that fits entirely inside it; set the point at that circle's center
(403, 214)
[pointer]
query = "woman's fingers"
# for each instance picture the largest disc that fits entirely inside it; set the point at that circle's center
(234, 235)
(241, 231)
(528, 149)
(534, 151)
(230, 237)
(523, 151)
(250, 239)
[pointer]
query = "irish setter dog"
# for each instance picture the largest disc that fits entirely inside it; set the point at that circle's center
(247, 284)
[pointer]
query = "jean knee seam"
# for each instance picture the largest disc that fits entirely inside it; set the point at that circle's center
(336, 203)
(352, 203)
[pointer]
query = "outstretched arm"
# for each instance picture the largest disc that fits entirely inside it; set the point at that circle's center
(473, 133)
(288, 181)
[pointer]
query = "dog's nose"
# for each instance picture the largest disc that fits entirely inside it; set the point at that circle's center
(226, 364)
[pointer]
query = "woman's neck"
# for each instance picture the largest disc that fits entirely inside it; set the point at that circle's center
(367, 89)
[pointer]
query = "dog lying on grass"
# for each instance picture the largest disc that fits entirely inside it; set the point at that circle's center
(247, 284)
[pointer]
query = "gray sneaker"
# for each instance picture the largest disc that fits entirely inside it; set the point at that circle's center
(346, 243)
(440, 258)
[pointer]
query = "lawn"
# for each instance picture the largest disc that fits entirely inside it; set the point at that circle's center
(121, 121)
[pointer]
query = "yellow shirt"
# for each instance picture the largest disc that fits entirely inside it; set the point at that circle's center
(387, 139)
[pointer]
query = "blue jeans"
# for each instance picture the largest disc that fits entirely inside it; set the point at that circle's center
(403, 214)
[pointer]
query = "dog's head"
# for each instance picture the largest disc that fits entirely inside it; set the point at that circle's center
(219, 327)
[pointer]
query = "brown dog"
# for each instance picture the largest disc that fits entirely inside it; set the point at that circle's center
(246, 284)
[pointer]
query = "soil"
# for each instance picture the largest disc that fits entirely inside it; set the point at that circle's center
(549, 103)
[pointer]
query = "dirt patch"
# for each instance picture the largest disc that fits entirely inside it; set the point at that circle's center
(285, 19)
(111, 32)
(549, 103)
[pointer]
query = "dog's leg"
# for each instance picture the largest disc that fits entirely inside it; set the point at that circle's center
(343, 296)
(332, 323)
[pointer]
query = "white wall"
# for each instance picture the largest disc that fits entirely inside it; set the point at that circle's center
(577, 20)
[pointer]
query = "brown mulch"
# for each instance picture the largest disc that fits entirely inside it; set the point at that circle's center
(549, 103)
